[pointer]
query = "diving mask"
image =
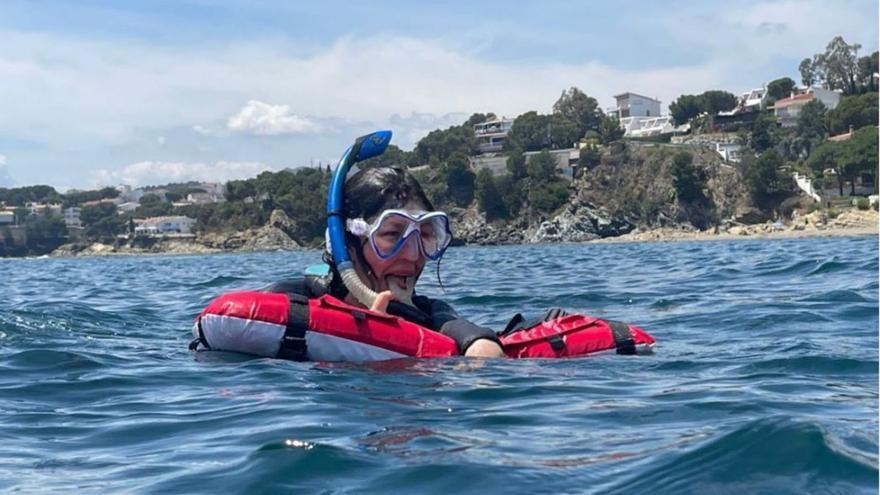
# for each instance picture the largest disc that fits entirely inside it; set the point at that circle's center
(390, 232)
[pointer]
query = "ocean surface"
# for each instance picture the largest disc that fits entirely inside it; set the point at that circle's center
(764, 379)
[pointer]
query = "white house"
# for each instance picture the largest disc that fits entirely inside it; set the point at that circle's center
(492, 133)
(7, 218)
(71, 216)
(788, 110)
(127, 207)
(647, 126)
(164, 225)
(634, 105)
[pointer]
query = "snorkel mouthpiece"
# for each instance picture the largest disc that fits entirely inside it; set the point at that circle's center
(364, 147)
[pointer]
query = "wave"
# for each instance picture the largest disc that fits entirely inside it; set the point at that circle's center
(775, 455)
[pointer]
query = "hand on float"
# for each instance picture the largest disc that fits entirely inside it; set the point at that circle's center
(380, 305)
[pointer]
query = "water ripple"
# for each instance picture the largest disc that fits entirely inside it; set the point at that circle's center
(764, 379)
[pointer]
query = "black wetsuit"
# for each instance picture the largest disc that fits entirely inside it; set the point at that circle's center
(429, 313)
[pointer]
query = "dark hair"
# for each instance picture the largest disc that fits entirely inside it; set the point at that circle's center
(373, 190)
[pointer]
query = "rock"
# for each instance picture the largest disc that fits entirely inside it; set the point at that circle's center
(580, 222)
(748, 215)
(268, 238)
(279, 220)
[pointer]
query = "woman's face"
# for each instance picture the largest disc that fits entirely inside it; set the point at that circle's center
(399, 273)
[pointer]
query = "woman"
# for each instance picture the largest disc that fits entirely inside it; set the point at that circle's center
(392, 231)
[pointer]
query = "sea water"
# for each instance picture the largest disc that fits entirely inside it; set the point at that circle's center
(764, 379)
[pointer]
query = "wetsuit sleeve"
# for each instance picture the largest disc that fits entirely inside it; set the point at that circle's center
(464, 333)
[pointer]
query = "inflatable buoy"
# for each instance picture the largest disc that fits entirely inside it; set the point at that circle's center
(327, 329)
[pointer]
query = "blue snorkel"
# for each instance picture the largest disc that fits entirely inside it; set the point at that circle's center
(364, 147)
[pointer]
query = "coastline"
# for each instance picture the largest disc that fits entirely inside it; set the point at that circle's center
(851, 223)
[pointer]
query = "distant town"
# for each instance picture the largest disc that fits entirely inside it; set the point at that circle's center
(776, 151)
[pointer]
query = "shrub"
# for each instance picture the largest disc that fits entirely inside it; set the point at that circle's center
(862, 203)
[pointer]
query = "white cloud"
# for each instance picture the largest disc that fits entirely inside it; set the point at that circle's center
(5, 179)
(158, 172)
(270, 120)
(69, 92)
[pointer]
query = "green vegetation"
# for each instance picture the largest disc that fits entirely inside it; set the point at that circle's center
(686, 107)
(766, 182)
(853, 112)
(839, 67)
(779, 89)
(688, 180)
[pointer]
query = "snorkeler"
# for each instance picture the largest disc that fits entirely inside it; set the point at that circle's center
(392, 231)
(361, 304)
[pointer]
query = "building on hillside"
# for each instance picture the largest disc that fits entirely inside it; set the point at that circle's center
(159, 226)
(43, 209)
(788, 110)
(71, 216)
(566, 162)
(127, 207)
(492, 133)
(647, 126)
(725, 144)
(748, 102)
(201, 198)
(846, 136)
(634, 105)
(7, 218)
(494, 162)
(96, 202)
(216, 189)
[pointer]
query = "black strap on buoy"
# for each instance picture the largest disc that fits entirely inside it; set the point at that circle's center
(293, 344)
(623, 337)
(194, 345)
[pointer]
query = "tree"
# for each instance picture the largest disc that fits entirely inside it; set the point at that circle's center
(811, 130)
(610, 130)
(439, 145)
(808, 73)
(563, 132)
(512, 192)
(393, 156)
(488, 197)
(459, 179)
(837, 67)
(240, 190)
(687, 179)
(541, 167)
(516, 165)
(589, 157)
(715, 101)
(764, 133)
(763, 178)
(101, 221)
(853, 111)
(867, 67)
(578, 108)
(827, 155)
(530, 132)
(859, 156)
(684, 108)
(778, 89)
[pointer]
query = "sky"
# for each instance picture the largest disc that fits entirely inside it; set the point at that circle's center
(96, 93)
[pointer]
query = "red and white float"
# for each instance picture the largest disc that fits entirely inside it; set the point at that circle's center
(327, 329)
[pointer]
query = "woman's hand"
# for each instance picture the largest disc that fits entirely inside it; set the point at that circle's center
(380, 305)
(484, 348)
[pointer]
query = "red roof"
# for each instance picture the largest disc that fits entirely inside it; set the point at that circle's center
(792, 100)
